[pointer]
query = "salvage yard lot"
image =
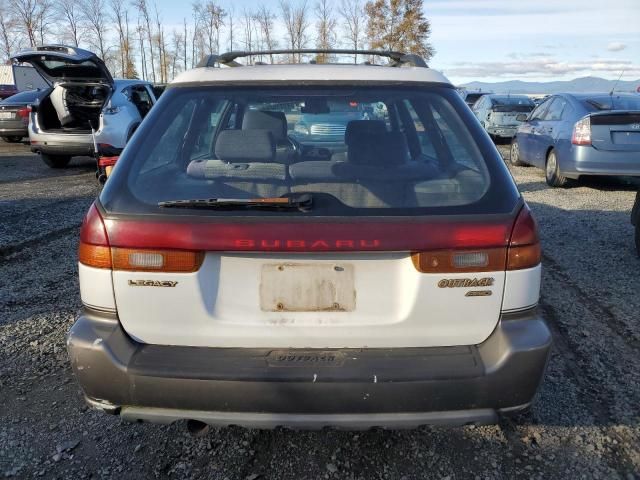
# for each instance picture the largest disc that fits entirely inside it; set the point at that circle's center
(586, 422)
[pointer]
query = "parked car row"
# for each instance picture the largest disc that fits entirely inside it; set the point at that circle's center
(83, 109)
(499, 115)
(574, 135)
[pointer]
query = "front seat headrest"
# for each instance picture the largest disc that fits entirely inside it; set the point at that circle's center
(275, 122)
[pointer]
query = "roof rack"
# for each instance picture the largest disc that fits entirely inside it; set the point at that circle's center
(397, 58)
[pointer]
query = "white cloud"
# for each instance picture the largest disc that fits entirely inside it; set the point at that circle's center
(542, 67)
(616, 46)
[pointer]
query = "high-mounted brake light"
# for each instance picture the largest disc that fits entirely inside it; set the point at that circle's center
(582, 132)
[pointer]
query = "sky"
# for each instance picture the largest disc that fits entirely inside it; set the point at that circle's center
(497, 40)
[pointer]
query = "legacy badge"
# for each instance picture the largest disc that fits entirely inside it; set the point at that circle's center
(152, 283)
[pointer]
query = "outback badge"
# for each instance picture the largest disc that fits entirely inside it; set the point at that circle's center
(466, 282)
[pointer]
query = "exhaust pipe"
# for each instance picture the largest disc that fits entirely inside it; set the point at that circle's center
(197, 428)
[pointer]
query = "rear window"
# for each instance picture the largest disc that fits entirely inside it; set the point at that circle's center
(25, 97)
(611, 102)
(512, 104)
(362, 151)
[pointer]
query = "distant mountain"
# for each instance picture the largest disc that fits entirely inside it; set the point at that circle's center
(584, 84)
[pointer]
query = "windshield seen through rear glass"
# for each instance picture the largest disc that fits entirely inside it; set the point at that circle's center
(356, 151)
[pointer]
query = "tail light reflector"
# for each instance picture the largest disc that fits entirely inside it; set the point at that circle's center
(582, 132)
(452, 261)
(157, 260)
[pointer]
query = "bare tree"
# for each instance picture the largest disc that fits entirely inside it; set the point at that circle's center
(210, 18)
(186, 35)
(231, 13)
(143, 61)
(326, 29)
(248, 32)
(97, 25)
(162, 48)
(353, 24)
(143, 10)
(45, 17)
(176, 52)
(71, 16)
(10, 39)
(120, 17)
(296, 22)
(26, 13)
(266, 19)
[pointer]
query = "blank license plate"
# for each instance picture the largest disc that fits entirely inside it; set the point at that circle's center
(304, 287)
(6, 115)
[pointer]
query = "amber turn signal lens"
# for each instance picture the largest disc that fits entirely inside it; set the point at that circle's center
(156, 260)
(452, 261)
(524, 257)
(96, 256)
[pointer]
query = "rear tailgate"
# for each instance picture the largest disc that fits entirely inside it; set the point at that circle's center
(348, 287)
(616, 131)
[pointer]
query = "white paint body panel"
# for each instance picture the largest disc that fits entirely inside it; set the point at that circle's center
(522, 289)
(96, 287)
(219, 306)
(306, 72)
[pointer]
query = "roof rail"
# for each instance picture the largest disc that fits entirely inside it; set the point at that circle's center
(397, 58)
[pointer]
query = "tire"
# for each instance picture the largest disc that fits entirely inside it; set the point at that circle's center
(55, 161)
(12, 139)
(552, 171)
(514, 154)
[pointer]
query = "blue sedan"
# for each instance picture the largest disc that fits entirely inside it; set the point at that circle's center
(571, 135)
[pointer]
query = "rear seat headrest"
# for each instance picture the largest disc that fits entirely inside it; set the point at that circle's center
(245, 146)
(357, 128)
(275, 122)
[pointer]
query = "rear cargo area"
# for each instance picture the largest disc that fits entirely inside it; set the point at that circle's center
(73, 107)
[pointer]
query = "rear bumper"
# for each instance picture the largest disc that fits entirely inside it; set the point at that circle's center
(72, 149)
(344, 388)
(586, 160)
(499, 131)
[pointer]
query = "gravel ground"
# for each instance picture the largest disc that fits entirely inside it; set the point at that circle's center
(585, 423)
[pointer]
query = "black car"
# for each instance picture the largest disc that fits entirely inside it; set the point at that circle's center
(635, 221)
(14, 115)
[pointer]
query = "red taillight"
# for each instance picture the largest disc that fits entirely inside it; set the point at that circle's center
(524, 247)
(24, 113)
(107, 161)
(95, 251)
(94, 248)
(582, 132)
(522, 251)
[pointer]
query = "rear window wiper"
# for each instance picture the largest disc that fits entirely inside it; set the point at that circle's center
(300, 202)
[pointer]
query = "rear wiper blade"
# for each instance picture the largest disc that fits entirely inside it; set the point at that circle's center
(300, 202)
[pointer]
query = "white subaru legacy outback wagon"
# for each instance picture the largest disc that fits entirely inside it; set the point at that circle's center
(236, 270)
